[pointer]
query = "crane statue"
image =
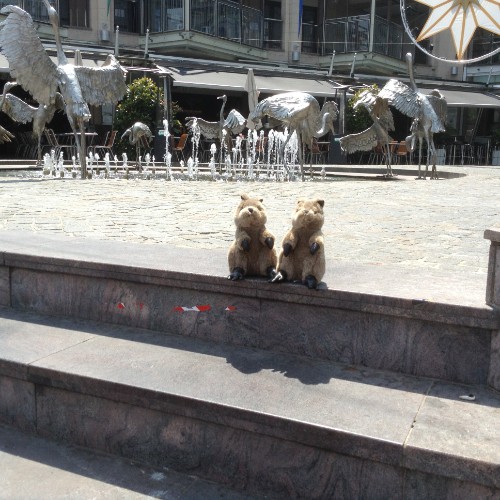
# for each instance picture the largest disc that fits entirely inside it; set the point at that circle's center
(429, 110)
(299, 112)
(233, 124)
(138, 134)
(378, 133)
(22, 112)
(35, 71)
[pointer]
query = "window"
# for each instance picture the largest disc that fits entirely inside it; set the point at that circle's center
(74, 13)
(309, 29)
(127, 15)
(272, 24)
(174, 15)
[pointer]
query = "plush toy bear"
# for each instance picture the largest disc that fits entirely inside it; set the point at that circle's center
(252, 252)
(302, 256)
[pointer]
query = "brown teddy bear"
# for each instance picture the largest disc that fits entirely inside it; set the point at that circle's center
(252, 252)
(302, 256)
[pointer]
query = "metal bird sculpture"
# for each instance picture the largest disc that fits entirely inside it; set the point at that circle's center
(233, 124)
(299, 112)
(430, 110)
(35, 71)
(135, 135)
(378, 133)
(22, 112)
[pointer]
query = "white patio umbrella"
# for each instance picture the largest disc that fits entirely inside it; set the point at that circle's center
(253, 95)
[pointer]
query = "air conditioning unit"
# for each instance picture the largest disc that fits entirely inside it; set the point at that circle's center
(104, 35)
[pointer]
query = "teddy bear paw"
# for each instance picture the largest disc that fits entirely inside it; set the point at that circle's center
(314, 248)
(311, 282)
(287, 249)
(271, 273)
(236, 274)
(269, 242)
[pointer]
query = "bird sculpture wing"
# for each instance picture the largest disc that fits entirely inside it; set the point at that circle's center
(386, 120)
(364, 141)
(5, 135)
(438, 102)
(285, 107)
(29, 63)
(18, 110)
(209, 130)
(102, 85)
(402, 97)
(235, 122)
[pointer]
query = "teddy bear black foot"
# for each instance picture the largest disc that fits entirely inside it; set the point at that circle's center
(279, 276)
(311, 282)
(236, 274)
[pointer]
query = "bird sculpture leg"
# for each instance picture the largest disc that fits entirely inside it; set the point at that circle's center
(282, 153)
(301, 156)
(311, 159)
(429, 152)
(138, 155)
(39, 150)
(420, 158)
(432, 149)
(79, 126)
(82, 149)
(388, 159)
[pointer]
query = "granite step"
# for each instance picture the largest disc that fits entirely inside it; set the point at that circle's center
(34, 467)
(425, 325)
(257, 421)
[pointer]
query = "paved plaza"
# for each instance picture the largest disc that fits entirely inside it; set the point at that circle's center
(404, 222)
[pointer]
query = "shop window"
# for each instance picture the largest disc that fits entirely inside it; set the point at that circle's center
(126, 14)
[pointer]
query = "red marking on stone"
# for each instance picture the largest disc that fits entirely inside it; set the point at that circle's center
(202, 308)
(121, 305)
(231, 308)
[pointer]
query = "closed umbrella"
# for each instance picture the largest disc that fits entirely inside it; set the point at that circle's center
(253, 95)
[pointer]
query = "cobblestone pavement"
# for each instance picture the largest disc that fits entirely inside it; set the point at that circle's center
(431, 224)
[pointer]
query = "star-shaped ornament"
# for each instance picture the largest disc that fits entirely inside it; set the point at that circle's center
(462, 17)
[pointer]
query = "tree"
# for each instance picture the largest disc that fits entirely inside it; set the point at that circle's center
(358, 119)
(141, 103)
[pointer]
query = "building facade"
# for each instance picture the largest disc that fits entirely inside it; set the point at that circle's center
(351, 41)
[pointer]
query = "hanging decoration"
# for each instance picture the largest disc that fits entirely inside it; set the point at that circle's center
(462, 18)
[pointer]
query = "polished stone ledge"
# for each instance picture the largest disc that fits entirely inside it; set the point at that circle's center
(493, 281)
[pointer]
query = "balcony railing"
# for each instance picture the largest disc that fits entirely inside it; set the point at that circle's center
(36, 8)
(352, 34)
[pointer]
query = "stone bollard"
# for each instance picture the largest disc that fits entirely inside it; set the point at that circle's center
(493, 280)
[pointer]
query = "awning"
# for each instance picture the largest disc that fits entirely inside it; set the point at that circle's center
(90, 63)
(464, 99)
(222, 80)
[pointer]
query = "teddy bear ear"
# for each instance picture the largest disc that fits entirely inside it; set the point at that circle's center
(321, 203)
(300, 201)
(244, 196)
(261, 199)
